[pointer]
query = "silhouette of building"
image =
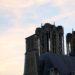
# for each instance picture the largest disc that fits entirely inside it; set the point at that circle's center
(70, 40)
(45, 52)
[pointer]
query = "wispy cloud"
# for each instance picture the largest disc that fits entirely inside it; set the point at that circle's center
(58, 2)
(12, 42)
(12, 46)
(20, 3)
(60, 17)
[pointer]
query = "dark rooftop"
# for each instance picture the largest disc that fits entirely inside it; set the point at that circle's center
(64, 64)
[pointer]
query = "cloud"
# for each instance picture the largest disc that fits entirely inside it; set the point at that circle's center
(12, 46)
(15, 3)
(67, 11)
(64, 5)
(20, 3)
(60, 17)
(16, 7)
(12, 42)
(58, 2)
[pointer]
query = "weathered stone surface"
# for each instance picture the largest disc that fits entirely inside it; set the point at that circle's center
(70, 42)
(48, 38)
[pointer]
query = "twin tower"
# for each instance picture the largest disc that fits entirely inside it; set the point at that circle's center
(48, 38)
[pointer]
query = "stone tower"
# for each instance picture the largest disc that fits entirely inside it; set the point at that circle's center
(31, 56)
(47, 38)
(50, 39)
(70, 42)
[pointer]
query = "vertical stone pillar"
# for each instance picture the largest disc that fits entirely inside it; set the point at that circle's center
(38, 33)
(60, 40)
(31, 57)
(73, 44)
(42, 42)
(68, 43)
(49, 41)
(31, 63)
(53, 42)
(63, 45)
(38, 40)
(46, 41)
(60, 43)
(57, 43)
(51, 46)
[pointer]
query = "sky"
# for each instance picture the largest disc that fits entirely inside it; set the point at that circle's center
(19, 19)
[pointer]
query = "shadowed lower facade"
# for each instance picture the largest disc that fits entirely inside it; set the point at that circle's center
(45, 52)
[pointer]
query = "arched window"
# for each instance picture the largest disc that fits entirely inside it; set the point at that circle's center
(53, 71)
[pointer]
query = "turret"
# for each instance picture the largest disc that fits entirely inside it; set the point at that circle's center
(70, 42)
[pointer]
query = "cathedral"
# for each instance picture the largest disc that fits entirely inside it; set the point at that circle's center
(45, 53)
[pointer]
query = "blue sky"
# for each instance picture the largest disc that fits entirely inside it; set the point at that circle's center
(19, 19)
